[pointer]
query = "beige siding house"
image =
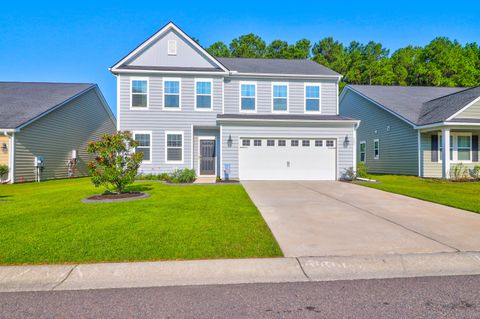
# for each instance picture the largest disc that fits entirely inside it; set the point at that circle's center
(403, 128)
(46, 127)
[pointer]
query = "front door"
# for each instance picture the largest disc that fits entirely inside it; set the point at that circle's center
(207, 157)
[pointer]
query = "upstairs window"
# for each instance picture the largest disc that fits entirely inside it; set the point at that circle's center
(139, 89)
(248, 96)
(203, 91)
(144, 145)
(280, 97)
(171, 94)
(312, 98)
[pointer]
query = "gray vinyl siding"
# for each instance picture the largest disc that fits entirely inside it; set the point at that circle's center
(473, 112)
(335, 131)
(398, 147)
(434, 169)
(158, 121)
(55, 135)
(296, 96)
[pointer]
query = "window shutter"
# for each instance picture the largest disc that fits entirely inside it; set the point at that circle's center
(474, 148)
(434, 148)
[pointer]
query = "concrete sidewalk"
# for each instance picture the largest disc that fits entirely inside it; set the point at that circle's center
(234, 271)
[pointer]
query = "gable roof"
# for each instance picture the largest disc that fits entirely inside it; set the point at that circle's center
(276, 66)
(410, 102)
(22, 102)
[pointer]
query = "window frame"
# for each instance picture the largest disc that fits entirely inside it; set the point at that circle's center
(245, 140)
(240, 83)
(376, 148)
(179, 80)
(364, 152)
(284, 143)
(270, 144)
(454, 147)
(297, 142)
(151, 142)
(259, 144)
(204, 109)
(147, 94)
(167, 147)
(312, 84)
(169, 46)
(318, 143)
(286, 98)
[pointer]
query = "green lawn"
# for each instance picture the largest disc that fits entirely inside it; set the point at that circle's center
(46, 223)
(464, 195)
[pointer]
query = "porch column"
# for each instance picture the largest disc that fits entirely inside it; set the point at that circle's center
(446, 153)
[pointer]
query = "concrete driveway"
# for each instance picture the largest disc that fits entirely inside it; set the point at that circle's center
(342, 219)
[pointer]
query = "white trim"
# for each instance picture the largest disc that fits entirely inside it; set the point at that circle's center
(313, 84)
(360, 151)
(223, 96)
(139, 108)
(221, 153)
(118, 101)
(376, 157)
(11, 158)
(419, 152)
(179, 108)
(196, 94)
(191, 146)
(463, 109)
(284, 75)
(337, 97)
(354, 150)
(159, 33)
(287, 98)
(454, 146)
(198, 154)
(240, 83)
(446, 124)
(151, 143)
(166, 147)
(288, 120)
(446, 153)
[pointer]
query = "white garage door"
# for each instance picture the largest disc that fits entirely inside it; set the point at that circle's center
(287, 159)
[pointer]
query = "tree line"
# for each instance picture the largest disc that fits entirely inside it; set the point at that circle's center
(442, 62)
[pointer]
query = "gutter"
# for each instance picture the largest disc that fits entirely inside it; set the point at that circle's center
(445, 124)
(356, 122)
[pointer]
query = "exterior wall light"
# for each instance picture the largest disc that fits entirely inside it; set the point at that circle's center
(229, 141)
(346, 141)
(4, 147)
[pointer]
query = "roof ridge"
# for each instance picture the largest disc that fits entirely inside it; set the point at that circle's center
(443, 96)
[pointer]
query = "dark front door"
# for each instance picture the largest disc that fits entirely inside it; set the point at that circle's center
(207, 157)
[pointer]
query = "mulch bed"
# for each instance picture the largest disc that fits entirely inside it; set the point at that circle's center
(115, 197)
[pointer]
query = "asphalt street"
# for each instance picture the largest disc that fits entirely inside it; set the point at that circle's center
(427, 297)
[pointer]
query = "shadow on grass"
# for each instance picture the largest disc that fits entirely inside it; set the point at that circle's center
(139, 188)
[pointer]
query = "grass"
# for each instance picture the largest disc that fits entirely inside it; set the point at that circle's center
(463, 195)
(47, 223)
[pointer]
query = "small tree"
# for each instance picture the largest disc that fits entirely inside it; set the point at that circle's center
(3, 171)
(116, 164)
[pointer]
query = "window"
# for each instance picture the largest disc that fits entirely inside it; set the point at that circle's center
(363, 148)
(312, 97)
(171, 94)
(139, 89)
(247, 96)
(330, 143)
(280, 97)
(294, 143)
(306, 143)
(144, 145)
(174, 144)
(270, 142)
(460, 147)
(172, 47)
(203, 90)
(257, 142)
(376, 149)
(318, 143)
(282, 143)
(245, 142)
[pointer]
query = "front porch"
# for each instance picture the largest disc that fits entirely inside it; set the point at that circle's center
(460, 140)
(5, 156)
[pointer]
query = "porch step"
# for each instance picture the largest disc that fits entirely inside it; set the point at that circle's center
(205, 180)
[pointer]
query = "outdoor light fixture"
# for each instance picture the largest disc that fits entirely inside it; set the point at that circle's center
(229, 141)
(4, 147)
(346, 141)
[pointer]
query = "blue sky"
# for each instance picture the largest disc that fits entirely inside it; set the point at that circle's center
(76, 41)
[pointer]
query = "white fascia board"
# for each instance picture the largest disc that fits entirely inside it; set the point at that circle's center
(440, 124)
(8, 130)
(155, 36)
(166, 72)
(284, 75)
(463, 108)
(354, 122)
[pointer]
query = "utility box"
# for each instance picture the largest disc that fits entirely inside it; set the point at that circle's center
(39, 161)
(74, 154)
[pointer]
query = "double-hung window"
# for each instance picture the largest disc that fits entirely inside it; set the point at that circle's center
(144, 145)
(248, 97)
(280, 97)
(139, 93)
(363, 153)
(174, 147)
(312, 98)
(376, 149)
(460, 147)
(171, 99)
(203, 94)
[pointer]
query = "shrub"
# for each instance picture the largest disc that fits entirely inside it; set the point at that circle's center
(476, 172)
(164, 177)
(3, 171)
(459, 172)
(154, 177)
(362, 170)
(185, 175)
(115, 165)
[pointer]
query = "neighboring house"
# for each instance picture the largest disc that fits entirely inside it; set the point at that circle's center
(50, 123)
(403, 128)
(230, 117)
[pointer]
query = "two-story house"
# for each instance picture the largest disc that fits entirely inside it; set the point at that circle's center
(250, 119)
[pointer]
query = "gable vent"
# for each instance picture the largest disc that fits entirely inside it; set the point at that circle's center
(172, 47)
